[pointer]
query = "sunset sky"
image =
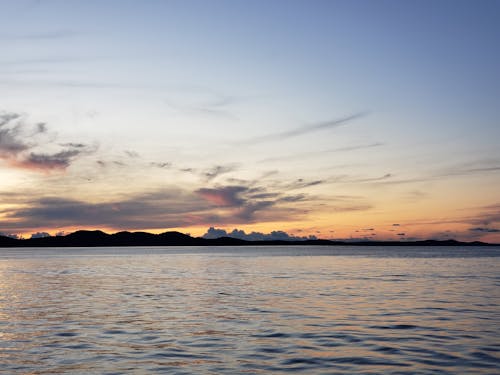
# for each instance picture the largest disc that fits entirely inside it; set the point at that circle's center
(339, 119)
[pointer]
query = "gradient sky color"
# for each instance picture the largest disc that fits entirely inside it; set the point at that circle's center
(340, 119)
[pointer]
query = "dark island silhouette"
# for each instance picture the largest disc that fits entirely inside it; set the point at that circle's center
(96, 238)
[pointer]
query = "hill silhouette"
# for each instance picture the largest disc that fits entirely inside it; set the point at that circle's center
(94, 238)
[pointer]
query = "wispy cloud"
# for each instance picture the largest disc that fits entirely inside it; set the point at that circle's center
(488, 215)
(473, 168)
(297, 184)
(41, 35)
(302, 155)
(306, 129)
(131, 154)
(470, 168)
(484, 230)
(218, 170)
(212, 104)
(162, 165)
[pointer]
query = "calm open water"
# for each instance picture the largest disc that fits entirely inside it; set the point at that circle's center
(311, 310)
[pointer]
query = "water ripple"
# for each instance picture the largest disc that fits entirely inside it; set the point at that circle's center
(126, 311)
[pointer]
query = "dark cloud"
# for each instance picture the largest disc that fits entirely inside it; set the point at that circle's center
(164, 208)
(40, 235)
(161, 209)
(19, 145)
(293, 198)
(245, 204)
(41, 127)
(265, 195)
(306, 129)
(217, 171)
(213, 233)
(11, 139)
(164, 165)
(489, 215)
(247, 212)
(10, 235)
(349, 208)
(39, 161)
(484, 230)
(131, 154)
(375, 179)
(299, 183)
(349, 180)
(253, 236)
(224, 196)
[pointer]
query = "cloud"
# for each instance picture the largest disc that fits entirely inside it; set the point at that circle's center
(470, 168)
(163, 208)
(21, 146)
(131, 154)
(160, 209)
(484, 230)
(247, 212)
(299, 183)
(301, 156)
(10, 235)
(44, 162)
(205, 103)
(161, 165)
(253, 236)
(218, 170)
(11, 142)
(488, 215)
(213, 233)
(477, 167)
(53, 34)
(224, 196)
(246, 200)
(40, 235)
(306, 129)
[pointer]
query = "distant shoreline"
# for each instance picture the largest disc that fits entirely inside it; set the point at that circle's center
(98, 238)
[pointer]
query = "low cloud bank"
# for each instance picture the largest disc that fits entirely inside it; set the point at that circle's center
(254, 236)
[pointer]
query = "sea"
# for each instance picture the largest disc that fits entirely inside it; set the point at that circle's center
(250, 310)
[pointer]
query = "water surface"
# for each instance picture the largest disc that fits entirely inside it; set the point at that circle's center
(311, 310)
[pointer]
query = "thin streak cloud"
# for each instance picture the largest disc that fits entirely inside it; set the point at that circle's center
(306, 129)
(48, 35)
(320, 153)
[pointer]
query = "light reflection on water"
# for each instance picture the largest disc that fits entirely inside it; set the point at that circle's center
(234, 310)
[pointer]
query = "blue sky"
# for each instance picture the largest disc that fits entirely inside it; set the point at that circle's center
(233, 108)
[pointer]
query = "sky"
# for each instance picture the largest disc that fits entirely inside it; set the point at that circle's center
(336, 119)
